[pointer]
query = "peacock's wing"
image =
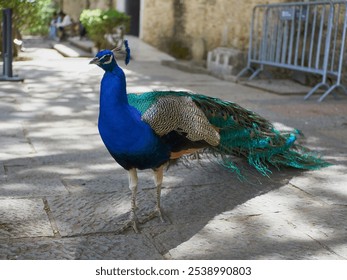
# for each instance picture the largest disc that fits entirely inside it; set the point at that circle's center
(168, 112)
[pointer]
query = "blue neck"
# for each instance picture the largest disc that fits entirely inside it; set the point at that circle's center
(113, 89)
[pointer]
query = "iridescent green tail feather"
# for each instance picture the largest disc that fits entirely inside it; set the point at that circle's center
(246, 134)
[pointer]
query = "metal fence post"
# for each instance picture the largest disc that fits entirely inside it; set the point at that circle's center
(7, 55)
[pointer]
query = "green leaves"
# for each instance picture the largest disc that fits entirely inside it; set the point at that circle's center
(99, 23)
(30, 16)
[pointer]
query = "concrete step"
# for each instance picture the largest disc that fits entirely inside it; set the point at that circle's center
(279, 86)
(68, 50)
(83, 44)
(186, 66)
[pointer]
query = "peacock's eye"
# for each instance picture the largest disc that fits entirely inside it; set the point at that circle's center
(105, 59)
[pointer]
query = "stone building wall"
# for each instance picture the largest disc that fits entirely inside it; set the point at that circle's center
(174, 25)
(157, 22)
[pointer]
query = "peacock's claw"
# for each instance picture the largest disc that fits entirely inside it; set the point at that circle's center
(135, 226)
(134, 221)
(152, 215)
(129, 224)
(160, 215)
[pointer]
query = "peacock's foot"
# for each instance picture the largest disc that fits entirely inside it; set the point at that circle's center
(134, 221)
(152, 215)
(160, 215)
(135, 227)
(131, 223)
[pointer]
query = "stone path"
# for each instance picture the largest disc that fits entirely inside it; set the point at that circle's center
(63, 197)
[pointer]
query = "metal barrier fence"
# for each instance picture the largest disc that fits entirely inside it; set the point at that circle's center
(305, 36)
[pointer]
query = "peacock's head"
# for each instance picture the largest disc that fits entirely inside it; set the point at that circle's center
(106, 59)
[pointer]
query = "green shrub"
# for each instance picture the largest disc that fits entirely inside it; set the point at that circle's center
(99, 23)
(30, 17)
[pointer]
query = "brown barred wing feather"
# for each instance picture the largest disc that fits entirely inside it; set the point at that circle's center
(180, 114)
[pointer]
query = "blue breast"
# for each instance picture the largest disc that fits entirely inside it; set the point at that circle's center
(130, 141)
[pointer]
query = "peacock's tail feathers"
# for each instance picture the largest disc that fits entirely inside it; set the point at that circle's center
(264, 148)
(243, 133)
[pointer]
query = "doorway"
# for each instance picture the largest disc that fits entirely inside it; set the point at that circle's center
(131, 8)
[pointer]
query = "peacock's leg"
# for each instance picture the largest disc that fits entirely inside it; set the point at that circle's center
(158, 180)
(133, 187)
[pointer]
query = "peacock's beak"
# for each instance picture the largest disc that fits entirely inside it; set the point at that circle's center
(95, 60)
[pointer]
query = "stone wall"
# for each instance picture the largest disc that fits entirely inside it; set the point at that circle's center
(174, 25)
(157, 22)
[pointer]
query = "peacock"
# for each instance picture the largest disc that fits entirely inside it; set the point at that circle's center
(148, 130)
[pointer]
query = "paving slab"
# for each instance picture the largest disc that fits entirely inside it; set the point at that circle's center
(166, 236)
(250, 238)
(83, 214)
(328, 184)
(2, 172)
(32, 187)
(97, 247)
(268, 231)
(17, 146)
(23, 218)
